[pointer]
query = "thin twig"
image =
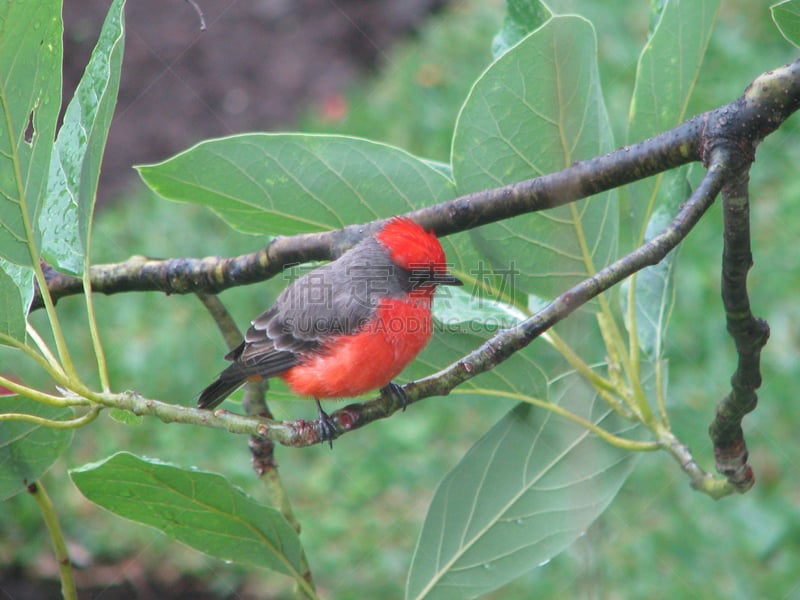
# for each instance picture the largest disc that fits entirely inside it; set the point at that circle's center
(716, 487)
(227, 326)
(73, 423)
(748, 332)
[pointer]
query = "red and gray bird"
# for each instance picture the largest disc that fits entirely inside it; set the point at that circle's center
(347, 327)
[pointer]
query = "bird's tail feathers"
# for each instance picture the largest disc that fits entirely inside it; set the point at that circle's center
(215, 393)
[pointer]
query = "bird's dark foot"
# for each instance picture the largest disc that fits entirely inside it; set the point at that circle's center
(393, 390)
(327, 428)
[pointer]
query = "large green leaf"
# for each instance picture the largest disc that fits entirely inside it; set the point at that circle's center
(27, 450)
(30, 95)
(66, 216)
(538, 109)
(666, 74)
(522, 494)
(655, 289)
(202, 510)
(786, 16)
(292, 183)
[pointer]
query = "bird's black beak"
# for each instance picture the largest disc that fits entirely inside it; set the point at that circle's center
(446, 278)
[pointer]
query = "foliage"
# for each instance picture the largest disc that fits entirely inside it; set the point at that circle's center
(200, 509)
(491, 146)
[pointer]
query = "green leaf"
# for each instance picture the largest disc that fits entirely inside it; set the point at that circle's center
(522, 494)
(655, 291)
(536, 110)
(457, 308)
(292, 183)
(202, 510)
(27, 450)
(524, 374)
(125, 417)
(66, 216)
(523, 17)
(30, 95)
(16, 292)
(786, 16)
(666, 74)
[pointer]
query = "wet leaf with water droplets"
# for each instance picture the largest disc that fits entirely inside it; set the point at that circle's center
(30, 86)
(202, 510)
(522, 494)
(66, 216)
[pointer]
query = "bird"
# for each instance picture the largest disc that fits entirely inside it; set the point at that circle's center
(347, 327)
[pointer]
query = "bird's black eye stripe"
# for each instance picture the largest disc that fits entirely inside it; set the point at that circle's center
(430, 277)
(416, 277)
(420, 275)
(411, 279)
(406, 279)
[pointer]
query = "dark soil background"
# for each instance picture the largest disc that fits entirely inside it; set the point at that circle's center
(256, 67)
(259, 64)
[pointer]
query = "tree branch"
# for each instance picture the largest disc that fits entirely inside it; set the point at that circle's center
(748, 332)
(765, 105)
(494, 351)
(214, 274)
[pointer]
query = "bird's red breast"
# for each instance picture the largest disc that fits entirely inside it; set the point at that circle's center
(368, 360)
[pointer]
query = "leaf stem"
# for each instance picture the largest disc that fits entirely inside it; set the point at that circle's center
(85, 419)
(639, 395)
(43, 348)
(607, 436)
(612, 334)
(102, 366)
(619, 356)
(52, 316)
(46, 360)
(660, 398)
(68, 590)
(604, 387)
(39, 396)
(52, 368)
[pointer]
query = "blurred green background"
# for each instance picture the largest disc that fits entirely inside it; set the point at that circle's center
(362, 504)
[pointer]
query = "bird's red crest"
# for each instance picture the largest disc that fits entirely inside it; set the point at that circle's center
(410, 246)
